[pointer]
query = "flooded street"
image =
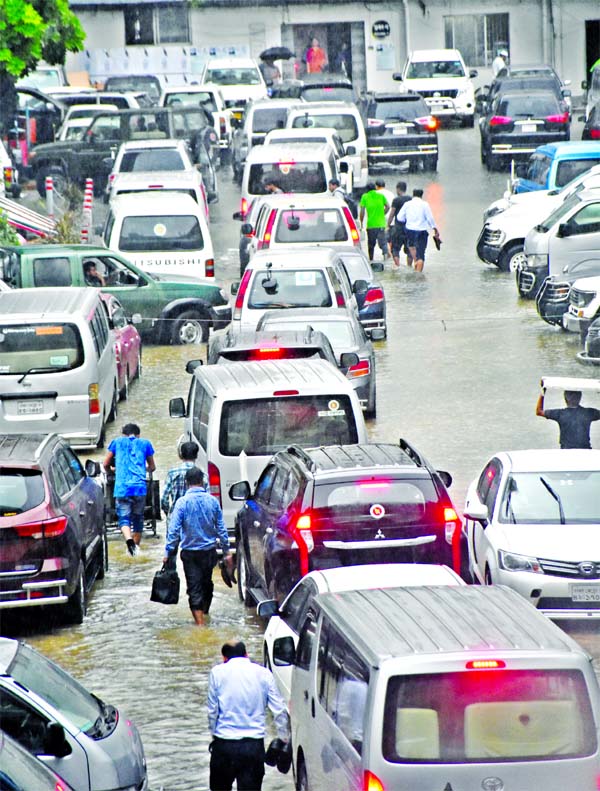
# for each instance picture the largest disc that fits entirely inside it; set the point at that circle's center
(458, 376)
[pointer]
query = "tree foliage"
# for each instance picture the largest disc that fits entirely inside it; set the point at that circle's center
(8, 235)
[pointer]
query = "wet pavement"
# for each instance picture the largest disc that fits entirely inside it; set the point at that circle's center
(458, 376)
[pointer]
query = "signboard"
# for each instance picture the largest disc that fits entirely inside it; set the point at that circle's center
(381, 29)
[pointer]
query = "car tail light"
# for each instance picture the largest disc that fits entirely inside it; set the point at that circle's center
(111, 178)
(362, 368)
(339, 299)
(485, 664)
(266, 240)
(48, 528)
(500, 120)
(452, 534)
(155, 186)
(94, 396)
(303, 541)
(239, 298)
(374, 122)
(428, 121)
(8, 176)
(214, 481)
(374, 296)
(354, 234)
(286, 392)
(222, 126)
(209, 267)
(595, 134)
(267, 353)
(561, 118)
(244, 207)
(371, 782)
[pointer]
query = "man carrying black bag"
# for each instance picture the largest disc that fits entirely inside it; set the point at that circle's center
(196, 524)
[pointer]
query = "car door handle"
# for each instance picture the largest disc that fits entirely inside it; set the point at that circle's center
(305, 694)
(256, 524)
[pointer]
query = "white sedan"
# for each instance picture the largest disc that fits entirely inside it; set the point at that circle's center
(286, 621)
(532, 519)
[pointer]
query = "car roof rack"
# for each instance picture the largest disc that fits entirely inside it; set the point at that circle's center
(296, 450)
(415, 456)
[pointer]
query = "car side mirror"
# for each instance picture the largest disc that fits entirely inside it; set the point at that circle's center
(477, 512)
(397, 76)
(360, 287)
(564, 229)
(377, 266)
(237, 215)
(177, 407)
(584, 85)
(92, 468)
(191, 366)
(268, 608)
(247, 229)
(566, 92)
(446, 478)
(348, 359)
(521, 169)
(98, 230)
(136, 318)
(240, 491)
(55, 741)
(344, 167)
(212, 196)
(473, 73)
(234, 288)
(377, 334)
(284, 651)
(351, 151)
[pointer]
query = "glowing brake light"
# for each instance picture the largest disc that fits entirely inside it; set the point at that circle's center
(560, 118)
(362, 368)
(374, 122)
(500, 120)
(303, 541)
(595, 135)
(371, 782)
(428, 121)
(286, 393)
(49, 528)
(239, 298)
(303, 522)
(244, 207)
(267, 353)
(266, 240)
(214, 481)
(354, 234)
(374, 295)
(374, 485)
(485, 664)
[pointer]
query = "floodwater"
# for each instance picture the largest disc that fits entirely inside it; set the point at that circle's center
(458, 377)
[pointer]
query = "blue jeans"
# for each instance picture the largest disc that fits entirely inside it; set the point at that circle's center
(130, 512)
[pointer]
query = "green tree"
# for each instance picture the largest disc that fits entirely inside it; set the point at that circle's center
(8, 235)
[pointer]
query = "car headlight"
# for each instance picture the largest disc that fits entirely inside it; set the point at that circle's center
(509, 561)
(537, 261)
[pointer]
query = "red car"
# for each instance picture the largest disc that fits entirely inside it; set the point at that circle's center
(128, 345)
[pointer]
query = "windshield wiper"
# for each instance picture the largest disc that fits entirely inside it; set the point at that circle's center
(556, 497)
(48, 370)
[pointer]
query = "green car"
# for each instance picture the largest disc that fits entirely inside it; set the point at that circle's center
(174, 310)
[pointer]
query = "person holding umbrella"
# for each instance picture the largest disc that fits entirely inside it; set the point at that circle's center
(268, 69)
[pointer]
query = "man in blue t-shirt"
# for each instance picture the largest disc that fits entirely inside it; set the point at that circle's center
(130, 456)
(574, 421)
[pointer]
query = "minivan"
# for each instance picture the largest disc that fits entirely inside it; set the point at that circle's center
(439, 688)
(241, 414)
(166, 237)
(58, 371)
(556, 164)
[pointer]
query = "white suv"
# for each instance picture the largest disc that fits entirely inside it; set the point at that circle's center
(442, 79)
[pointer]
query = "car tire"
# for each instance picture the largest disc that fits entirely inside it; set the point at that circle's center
(76, 607)
(190, 327)
(138, 370)
(302, 777)
(430, 163)
(371, 410)
(15, 191)
(511, 257)
(468, 122)
(124, 391)
(114, 407)
(103, 556)
(243, 577)
(488, 576)
(59, 176)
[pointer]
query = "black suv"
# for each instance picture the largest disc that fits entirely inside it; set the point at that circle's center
(52, 535)
(399, 126)
(341, 506)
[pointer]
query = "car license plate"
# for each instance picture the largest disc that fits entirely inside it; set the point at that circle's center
(30, 407)
(585, 593)
(528, 128)
(399, 130)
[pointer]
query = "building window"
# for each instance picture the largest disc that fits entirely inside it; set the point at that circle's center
(477, 36)
(168, 24)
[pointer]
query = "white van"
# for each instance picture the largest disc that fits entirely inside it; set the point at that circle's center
(161, 236)
(241, 414)
(439, 688)
(345, 118)
(58, 372)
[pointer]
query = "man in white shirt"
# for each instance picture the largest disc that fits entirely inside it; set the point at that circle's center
(418, 218)
(499, 63)
(239, 692)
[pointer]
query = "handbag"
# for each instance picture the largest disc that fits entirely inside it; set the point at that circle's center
(165, 585)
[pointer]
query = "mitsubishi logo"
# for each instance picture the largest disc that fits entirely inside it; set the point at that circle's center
(587, 568)
(380, 534)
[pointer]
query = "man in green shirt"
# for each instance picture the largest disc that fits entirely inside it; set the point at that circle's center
(375, 204)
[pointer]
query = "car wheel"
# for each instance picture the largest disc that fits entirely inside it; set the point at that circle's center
(468, 122)
(243, 579)
(190, 327)
(124, 391)
(138, 370)
(60, 184)
(114, 407)
(430, 163)
(488, 576)
(302, 777)
(76, 606)
(512, 257)
(103, 556)
(371, 410)
(101, 438)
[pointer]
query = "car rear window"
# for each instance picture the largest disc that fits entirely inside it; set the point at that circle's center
(263, 426)
(296, 288)
(411, 502)
(289, 176)
(20, 490)
(269, 118)
(142, 191)
(328, 93)
(151, 160)
(160, 233)
(398, 110)
(487, 716)
(47, 347)
(339, 333)
(524, 106)
(570, 169)
(344, 123)
(315, 225)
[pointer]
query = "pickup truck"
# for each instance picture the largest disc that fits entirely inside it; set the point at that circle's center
(174, 310)
(92, 154)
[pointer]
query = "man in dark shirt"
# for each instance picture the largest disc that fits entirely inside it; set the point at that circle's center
(574, 421)
(398, 229)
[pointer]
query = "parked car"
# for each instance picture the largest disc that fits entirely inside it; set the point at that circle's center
(285, 621)
(347, 337)
(531, 518)
(525, 83)
(260, 117)
(555, 165)
(517, 123)
(90, 743)
(591, 349)
(584, 304)
(22, 771)
(173, 310)
(128, 344)
(370, 300)
(341, 506)
(52, 525)
(261, 345)
(591, 129)
(400, 127)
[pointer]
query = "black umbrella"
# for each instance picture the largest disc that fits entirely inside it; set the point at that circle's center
(277, 53)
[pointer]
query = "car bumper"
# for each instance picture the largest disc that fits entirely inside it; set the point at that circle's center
(221, 316)
(448, 107)
(530, 280)
(486, 252)
(504, 146)
(32, 592)
(390, 153)
(556, 597)
(573, 323)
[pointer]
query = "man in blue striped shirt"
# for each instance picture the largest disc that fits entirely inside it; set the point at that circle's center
(196, 526)
(175, 482)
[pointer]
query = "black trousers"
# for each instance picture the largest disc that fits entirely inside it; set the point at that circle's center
(241, 760)
(376, 236)
(198, 567)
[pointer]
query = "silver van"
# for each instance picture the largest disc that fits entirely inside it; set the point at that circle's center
(463, 688)
(241, 414)
(58, 372)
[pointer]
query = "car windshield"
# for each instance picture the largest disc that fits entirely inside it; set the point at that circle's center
(328, 93)
(160, 233)
(558, 213)
(528, 106)
(239, 76)
(20, 490)
(398, 110)
(289, 176)
(310, 225)
(263, 426)
(572, 168)
(47, 347)
(58, 688)
(300, 288)
(548, 498)
(192, 99)
(425, 70)
(344, 123)
(150, 160)
(269, 118)
(339, 333)
(487, 716)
